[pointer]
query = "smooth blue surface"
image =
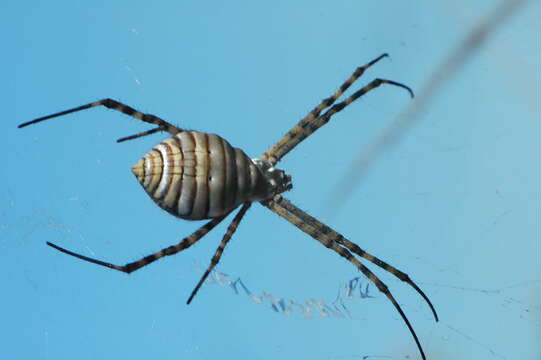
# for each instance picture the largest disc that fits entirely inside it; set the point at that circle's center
(456, 204)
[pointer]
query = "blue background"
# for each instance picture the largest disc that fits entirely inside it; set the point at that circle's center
(455, 204)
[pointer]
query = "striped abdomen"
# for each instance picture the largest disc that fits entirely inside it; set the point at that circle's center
(195, 175)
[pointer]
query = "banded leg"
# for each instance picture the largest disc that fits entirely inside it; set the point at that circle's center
(138, 135)
(333, 240)
(323, 119)
(171, 250)
(339, 239)
(219, 251)
(115, 105)
(294, 136)
(351, 246)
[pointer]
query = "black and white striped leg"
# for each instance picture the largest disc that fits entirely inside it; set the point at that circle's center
(136, 265)
(298, 133)
(219, 251)
(114, 105)
(328, 237)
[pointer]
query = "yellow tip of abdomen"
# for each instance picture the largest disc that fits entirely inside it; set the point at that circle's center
(139, 170)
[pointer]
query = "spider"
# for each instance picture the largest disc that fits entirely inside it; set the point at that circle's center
(196, 176)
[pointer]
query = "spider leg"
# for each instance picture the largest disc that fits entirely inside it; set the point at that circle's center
(219, 251)
(114, 105)
(318, 231)
(335, 236)
(171, 250)
(303, 128)
(341, 240)
(141, 134)
(382, 264)
(323, 119)
(313, 125)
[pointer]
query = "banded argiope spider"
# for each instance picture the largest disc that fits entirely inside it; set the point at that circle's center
(195, 176)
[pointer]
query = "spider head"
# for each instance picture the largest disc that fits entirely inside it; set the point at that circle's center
(277, 180)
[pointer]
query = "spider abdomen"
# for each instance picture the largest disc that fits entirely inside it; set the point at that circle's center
(195, 175)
